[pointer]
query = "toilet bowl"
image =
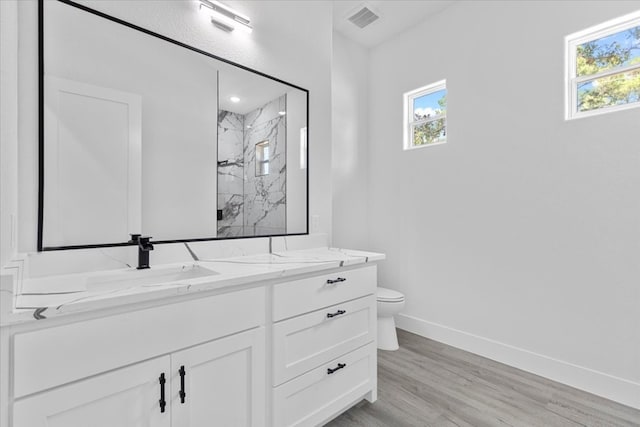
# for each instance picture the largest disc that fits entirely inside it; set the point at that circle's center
(390, 303)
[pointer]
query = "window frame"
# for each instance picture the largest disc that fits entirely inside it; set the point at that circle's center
(409, 123)
(571, 43)
(263, 165)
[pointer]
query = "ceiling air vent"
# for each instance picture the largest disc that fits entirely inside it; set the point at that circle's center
(363, 17)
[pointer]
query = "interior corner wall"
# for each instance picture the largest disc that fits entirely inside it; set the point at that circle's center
(350, 101)
(290, 41)
(8, 129)
(518, 239)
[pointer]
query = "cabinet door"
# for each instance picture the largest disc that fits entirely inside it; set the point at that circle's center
(224, 382)
(127, 397)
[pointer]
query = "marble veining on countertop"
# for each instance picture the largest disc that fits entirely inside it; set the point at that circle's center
(44, 297)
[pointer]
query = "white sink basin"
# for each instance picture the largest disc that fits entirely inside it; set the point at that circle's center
(148, 277)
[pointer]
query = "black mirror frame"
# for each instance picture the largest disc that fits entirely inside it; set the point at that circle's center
(41, 183)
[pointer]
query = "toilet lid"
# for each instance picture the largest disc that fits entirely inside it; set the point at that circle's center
(390, 295)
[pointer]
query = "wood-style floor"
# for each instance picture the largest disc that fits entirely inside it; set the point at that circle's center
(427, 383)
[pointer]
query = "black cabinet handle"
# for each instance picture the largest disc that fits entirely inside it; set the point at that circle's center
(338, 280)
(162, 401)
(337, 313)
(337, 368)
(182, 393)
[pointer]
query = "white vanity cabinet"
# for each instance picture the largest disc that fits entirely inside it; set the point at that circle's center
(275, 353)
(107, 371)
(324, 352)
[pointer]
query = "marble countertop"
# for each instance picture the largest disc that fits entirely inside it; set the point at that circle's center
(56, 295)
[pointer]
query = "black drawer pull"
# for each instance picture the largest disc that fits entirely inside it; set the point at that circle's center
(162, 401)
(182, 393)
(337, 368)
(337, 313)
(338, 280)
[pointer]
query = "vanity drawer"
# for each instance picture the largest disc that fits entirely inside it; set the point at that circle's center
(317, 395)
(304, 342)
(54, 356)
(305, 295)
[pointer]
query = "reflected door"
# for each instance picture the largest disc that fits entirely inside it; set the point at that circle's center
(92, 175)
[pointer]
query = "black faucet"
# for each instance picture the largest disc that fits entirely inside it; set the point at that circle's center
(144, 246)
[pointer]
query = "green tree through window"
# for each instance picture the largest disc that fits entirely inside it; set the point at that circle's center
(616, 51)
(434, 131)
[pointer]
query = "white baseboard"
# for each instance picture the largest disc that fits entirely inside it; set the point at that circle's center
(595, 382)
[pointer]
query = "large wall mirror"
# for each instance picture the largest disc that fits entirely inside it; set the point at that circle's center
(143, 134)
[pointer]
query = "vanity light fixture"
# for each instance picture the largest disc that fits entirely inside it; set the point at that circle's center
(234, 99)
(282, 113)
(224, 17)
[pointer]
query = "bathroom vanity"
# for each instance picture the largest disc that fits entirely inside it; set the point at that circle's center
(271, 336)
(274, 339)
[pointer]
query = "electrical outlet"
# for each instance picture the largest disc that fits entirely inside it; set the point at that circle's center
(315, 223)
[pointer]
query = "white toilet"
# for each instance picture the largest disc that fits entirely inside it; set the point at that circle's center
(390, 303)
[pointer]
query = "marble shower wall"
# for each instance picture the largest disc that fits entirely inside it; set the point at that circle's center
(252, 205)
(231, 173)
(265, 196)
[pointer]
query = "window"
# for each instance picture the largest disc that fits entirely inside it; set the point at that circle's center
(262, 158)
(603, 68)
(425, 116)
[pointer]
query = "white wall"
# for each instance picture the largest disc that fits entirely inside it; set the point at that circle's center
(350, 102)
(519, 238)
(8, 129)
(285, 43)
(296, 175)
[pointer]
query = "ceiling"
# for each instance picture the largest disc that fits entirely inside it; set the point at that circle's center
(253, 89)
(395, 17)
